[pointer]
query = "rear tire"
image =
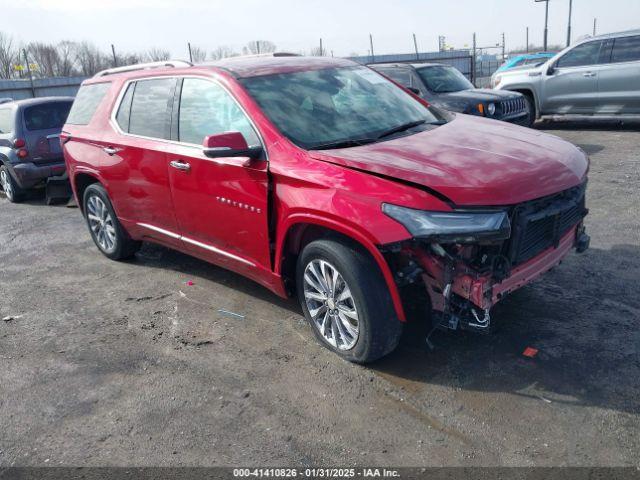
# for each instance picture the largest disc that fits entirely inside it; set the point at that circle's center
(11, 189)
(105, 229)
(349, 308)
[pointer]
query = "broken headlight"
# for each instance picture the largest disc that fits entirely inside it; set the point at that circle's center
(454, 227)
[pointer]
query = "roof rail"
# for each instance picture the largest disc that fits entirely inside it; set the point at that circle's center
(143, 66)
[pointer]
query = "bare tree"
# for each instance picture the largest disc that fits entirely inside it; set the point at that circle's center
(157, 55)
(223, 51)
(316, 52)
(66, 62)
(90, 59)
(198, 55)
(9, 56)
(44, 56)
(259, 46)
(130, 58)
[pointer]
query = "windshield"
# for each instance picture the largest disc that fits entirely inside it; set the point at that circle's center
(337, 106)
(444, 79)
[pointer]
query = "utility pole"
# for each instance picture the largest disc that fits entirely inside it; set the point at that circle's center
(190, 54)
(373, 55)
(321, 51)
(26, 59)
(546, 22)
(415, 45)
(594, 26)
(503, 47)
(569, 24)
(527, 40)
(115, 59)
(473, 60)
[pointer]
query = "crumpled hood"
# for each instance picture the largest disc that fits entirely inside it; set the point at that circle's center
(473, 161)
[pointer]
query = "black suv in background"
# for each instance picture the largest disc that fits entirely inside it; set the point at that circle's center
(445, 87)
(30, 149)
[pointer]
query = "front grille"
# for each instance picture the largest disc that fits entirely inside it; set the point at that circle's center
(513, 106)
(540, 224)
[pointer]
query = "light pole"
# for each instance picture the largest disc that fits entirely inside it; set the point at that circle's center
(569, 25)
(546, 22)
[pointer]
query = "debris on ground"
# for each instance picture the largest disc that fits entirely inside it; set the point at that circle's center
(530, 352)
(227, 312)
(10, 318)
(189, 283)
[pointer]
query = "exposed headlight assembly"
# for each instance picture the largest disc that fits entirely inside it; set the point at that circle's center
(491, 109)
(453, 227)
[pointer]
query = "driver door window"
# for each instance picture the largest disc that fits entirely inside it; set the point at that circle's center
(206, 109)
(581, 56)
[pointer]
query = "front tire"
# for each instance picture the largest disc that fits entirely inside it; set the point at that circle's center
(346, 300)
(107, 232)
(531, 107)
(10, 187)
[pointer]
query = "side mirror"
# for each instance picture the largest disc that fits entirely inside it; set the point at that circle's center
(552, 69)
(413, 90)
(229, 144)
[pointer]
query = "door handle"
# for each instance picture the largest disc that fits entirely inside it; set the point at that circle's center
(588, 74)
(185, 167)
(110, 150)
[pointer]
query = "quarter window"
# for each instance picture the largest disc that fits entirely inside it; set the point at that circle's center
(206, 109)
(124, 111)
(86, 103)
(626, 49)
(582, 55)
(6, 121)
(149, 107)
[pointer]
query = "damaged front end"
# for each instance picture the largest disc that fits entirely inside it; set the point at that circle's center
(468, 260)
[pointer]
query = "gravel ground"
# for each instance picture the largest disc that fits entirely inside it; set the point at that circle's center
(109, 363)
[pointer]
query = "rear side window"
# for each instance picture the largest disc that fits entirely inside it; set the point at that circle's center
(124, 111)
(47, 116)
(582, 55)
(626, 49)
(86, 103)
(401, 76)
(6, 120)
(149, 107)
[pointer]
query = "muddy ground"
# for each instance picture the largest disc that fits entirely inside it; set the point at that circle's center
(109, 363)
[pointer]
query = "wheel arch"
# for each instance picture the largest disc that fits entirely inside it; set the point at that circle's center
(301, 230)
(81, 180)
(531, 93)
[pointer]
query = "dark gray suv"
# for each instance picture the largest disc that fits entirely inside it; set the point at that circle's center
(29, 143)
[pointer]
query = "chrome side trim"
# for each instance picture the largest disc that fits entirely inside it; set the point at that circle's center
(211, 248)
(159, 230)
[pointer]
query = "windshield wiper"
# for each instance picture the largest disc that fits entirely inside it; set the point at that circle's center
(356, 142)
(400, 128)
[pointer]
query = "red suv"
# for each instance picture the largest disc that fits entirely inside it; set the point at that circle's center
(321, 177)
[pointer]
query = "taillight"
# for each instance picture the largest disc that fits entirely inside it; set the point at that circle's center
(22, 153)
(19, 143)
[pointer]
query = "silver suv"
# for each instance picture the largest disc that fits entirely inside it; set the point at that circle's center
(596, 76)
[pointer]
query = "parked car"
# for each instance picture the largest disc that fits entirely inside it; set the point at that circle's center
(445, 87)
(321, 177)
(597, 76)
(526, 60)
(30, 149)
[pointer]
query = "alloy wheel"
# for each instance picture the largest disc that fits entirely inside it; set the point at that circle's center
(101, 223)
(6, 184)
(331, 305)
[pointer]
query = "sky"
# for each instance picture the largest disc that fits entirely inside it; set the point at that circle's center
(344, 25)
